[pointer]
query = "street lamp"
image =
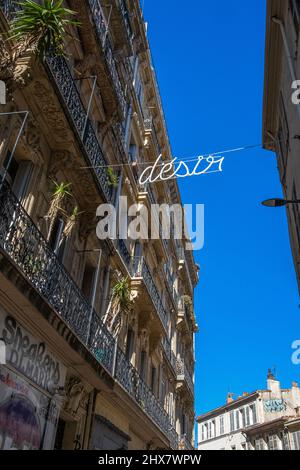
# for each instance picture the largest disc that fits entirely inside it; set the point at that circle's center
(279, 202)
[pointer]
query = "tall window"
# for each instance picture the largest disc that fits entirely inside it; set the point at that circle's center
(253, 412)
(259, 444)
(273, 442)
(153, 379)
(56, 241)
(232, 421)
(203, 432)
(18, 175)
(88, 281)
(143, 365)
(248, 422)
(296, 440)
(222, 430)
(243, 413)
(209, 430)
(129, 344)
(237, 419)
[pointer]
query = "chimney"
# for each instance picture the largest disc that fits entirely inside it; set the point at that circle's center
(273, 385)
(245, 394)
(229, 398)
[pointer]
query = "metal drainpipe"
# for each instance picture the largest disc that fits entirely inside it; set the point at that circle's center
(287, 51)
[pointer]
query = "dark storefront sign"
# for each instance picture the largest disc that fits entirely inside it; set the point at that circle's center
(28, 413)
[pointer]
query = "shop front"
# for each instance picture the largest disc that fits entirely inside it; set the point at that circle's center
(32, 384)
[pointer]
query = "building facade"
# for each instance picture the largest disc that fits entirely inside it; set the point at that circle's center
(73, 377)
(263, 420)
(281, 112)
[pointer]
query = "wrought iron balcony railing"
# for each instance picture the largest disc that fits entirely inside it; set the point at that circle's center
(125, 18)
(130, 379)
(142, 270)
(183, 374)
(125, 255)
(60, 72)
(169, 354)
(25, 246)
(101, 27)
(154, 203)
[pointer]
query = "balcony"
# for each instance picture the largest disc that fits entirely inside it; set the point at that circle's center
(125, 18)
(72, 103)
(141, 270)
(171, 358)
(23, 244)
(184, 375)
(102, 31)
(71, 100)
(132, 382)
(184, 320)
(150, 130)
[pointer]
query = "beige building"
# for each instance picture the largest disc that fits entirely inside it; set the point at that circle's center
(262, 420)
(73, 378)
(281, 114)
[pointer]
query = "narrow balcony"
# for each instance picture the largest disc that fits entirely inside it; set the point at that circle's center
(141, 270)
(132, 382)
(184, 375)
(72, 103)
(150, 132)
(23, 244)
(69, 94)
(184, 321)
(121, 24)
(102, 31)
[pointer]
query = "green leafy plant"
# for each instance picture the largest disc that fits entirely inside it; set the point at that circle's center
(112, 177)
(60, 192)
(37, 29)
(121, 295)
(72, 221)
(119, 305)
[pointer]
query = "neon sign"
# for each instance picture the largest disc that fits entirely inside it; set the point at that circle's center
(164, 171)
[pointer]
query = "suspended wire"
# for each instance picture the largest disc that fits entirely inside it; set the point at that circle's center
(184, 160)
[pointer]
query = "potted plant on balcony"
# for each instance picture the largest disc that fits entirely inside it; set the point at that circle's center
(112, 178)
(36, 29)
(72, 221)
(60, 192)
(119, 305)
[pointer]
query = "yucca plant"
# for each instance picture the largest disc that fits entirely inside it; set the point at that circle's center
(38, 29)
(112, 177)
(60, 192)
(119, 305)
(71, 222)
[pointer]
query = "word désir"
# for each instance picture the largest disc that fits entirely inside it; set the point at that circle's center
(164, 171)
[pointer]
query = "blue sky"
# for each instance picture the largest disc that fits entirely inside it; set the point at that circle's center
(209, 58)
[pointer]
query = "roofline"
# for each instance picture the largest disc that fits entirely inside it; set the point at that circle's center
(227, 406)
